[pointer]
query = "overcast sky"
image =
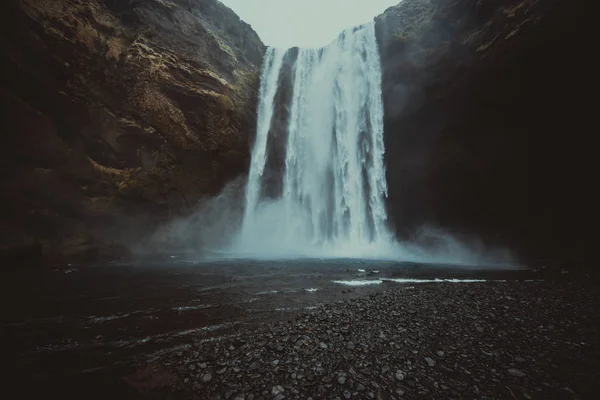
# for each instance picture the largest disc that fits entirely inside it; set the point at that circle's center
(305, 23)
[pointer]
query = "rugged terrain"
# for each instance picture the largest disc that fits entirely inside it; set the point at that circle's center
(503, 340)
(485, 123)
(116, 116)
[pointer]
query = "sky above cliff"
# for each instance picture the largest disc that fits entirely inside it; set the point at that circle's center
(305, 23)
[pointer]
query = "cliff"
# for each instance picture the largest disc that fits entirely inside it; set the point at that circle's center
(484, 121)
(117, 115)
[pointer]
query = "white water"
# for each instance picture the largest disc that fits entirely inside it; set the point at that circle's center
(332, 199)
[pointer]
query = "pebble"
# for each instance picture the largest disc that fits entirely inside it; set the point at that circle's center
(400, 376)
(277, 390)
(516, 372)
(389, 345)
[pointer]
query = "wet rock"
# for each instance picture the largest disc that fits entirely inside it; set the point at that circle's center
(400, 376)
(276, 390)
(516, 372)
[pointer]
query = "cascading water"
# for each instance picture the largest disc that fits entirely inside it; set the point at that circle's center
(333, 183)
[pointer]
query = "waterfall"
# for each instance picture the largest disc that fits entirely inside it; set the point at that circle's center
(333, 188)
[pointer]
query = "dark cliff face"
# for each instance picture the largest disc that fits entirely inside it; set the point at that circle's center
(484, 121)
(117, 115)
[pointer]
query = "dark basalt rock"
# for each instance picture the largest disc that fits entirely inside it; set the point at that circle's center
(483, 121)
(118, 115)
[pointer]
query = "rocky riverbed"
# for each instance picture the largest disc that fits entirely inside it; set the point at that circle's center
(488, 340)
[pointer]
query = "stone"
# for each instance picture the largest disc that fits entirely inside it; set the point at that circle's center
(430, 361)
(206, 378)
(516, 372)
(400, 376)
(322, 345)
(347, 394)
(277, 390)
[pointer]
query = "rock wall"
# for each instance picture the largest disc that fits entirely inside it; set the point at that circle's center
(117, 115)
(485, 122)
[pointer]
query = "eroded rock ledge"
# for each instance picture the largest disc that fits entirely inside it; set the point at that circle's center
(117, 114)
(484, 123)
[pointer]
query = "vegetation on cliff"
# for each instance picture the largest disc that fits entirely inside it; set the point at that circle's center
(118, 114)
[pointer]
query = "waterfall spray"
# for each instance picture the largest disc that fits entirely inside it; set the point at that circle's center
(333, 198)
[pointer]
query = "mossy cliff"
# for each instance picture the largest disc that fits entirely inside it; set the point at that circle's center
(117, 115)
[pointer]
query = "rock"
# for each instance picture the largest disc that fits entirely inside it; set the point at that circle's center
(277, 390)
(360, 387)
(414, 28)
(280, 396)
(430, 361)
(322, 345)
(202, 366)
(341, 379)
(400, 376)
(276, 362)
(206, 378)
(516, 372)
(222, 371)
(229, 394)
(440, 354)
(179, 82)
(347, 394)
(351, 346)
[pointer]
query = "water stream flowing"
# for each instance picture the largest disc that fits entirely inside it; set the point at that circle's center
(332, 196)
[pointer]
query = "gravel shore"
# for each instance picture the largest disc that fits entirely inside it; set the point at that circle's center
(513, 340)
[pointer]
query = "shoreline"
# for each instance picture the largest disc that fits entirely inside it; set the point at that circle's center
(475, 340)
